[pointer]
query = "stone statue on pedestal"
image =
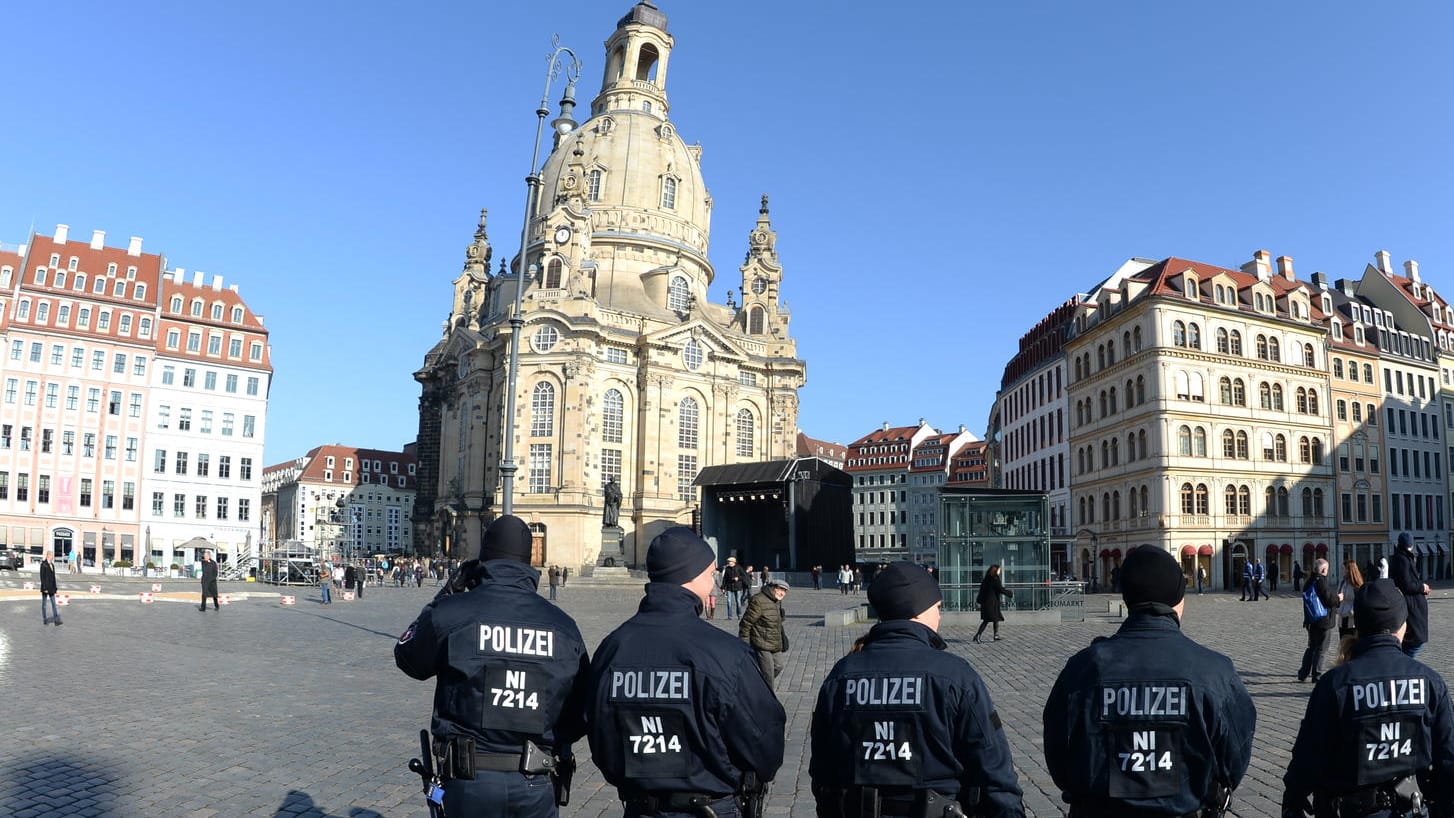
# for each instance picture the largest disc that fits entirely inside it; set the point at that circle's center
(611, 514)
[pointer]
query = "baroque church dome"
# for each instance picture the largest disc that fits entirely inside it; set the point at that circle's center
(648, 205)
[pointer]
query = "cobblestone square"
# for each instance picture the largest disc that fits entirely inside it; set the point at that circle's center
(159, 710)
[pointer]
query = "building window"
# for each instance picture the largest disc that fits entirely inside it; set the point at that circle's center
(542, 410)
(692, 355)
(593, 184)
(540, 463)
(179, 505)
(613, 416)
(686, 475)
(755, 320)
(668, 193)
(687, 415)
(678, 296)
(746, 445)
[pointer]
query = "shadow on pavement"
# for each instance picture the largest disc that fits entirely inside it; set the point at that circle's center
(391, 636)
(57, 785)
(298, 804)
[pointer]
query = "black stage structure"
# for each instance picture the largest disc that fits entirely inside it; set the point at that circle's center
(787, 514)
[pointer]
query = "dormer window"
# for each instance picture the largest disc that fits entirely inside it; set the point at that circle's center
(1190, 288)
(176, 303)
(668, 193)
(1338, 330)
(593, 184)
(73, 264)
(678, 295)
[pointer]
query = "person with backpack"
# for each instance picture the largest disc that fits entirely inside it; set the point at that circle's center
(1320, 616)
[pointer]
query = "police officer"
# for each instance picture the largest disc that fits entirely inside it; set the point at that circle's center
(1378, 731)
(681, 720)
(1148, 722)
(904, 728)
(511, 669)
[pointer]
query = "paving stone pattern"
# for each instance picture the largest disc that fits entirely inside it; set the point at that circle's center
(160, 710)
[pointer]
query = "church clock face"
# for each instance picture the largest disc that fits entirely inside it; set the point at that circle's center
(759, 285)
(562, 234)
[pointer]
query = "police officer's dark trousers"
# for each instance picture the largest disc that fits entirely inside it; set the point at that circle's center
(500, 794)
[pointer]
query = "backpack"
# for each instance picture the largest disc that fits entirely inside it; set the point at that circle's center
(1313, 608)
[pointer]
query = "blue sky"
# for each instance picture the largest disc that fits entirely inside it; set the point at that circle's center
(942, 173)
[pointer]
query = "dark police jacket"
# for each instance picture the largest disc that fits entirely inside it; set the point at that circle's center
(1379, 717)
(1147, 721)
(904, 714)
(1404, 572)
(677, 705)
(511, 666)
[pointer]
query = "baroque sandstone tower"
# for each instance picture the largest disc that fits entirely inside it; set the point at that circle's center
(627, 371)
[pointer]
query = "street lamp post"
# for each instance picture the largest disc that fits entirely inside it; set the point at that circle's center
(517, 322)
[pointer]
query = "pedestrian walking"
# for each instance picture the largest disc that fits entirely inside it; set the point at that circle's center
(1347, 588)
(857, 581)
(1272, 575)
(1201, 577)
(73, 560)
(1320, 615)
(682, 723)
(709, 604)
(48, 590)
(325, 578)
(509, 697)
(762, 628)
(1297, 577)
(1403, 569)
(734, 585)
(209, 582)
(554, 575)
(991, 588)
(1099, 725)
(360, 577)
(1259, 575)
(564, 576)
(845, 579)
(817, 572)
(1377, 729)
(939, 740)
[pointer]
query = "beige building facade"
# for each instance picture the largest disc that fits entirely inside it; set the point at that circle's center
(627, 371)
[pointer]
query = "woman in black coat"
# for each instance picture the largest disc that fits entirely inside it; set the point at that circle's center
(991, 588)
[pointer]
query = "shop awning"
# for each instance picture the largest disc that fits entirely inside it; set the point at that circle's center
(1420, 549)
(1307, 547)
(1443, 547)
(1105, 553)
(1286, 548)
(1205, 550)
(1272, 549)
(1188, 550)
(1322, 548)
(1116, 553)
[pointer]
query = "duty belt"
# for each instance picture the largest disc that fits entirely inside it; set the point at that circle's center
(693, 802)
(888, 802)
(460, 758)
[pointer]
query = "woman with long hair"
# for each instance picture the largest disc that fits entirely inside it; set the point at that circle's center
(991, 588)
(1348, 586)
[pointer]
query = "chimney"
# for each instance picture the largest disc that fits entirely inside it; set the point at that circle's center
(1346, 286)
(886, 426)
(1411, 269)
(232, 287)
(1260, 265)
(197, 278)
(62, 231)
(1381, 261)
(1284, 268)
(133, 248)
(1320, 280)
(217, 282)
(178, 274)
(922, 421)
(98, 239)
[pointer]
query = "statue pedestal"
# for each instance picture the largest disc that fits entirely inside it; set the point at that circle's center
(613, 552)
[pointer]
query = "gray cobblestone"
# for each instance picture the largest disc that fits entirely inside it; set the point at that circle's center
(164, 711)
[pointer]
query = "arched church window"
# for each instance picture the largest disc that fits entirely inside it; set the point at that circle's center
(554, 273)
(687, 415)
(678, 296)
(613, 416)
(593, 184)
(542, 410)
(668, 193)
(746, 428)
(754, 320)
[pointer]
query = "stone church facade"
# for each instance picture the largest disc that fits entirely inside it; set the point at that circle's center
(626, 371)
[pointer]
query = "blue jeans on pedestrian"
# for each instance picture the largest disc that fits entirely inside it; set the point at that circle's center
(734, 604)
(500, 794)
(54, 612)
(327, 597)
(552, 593)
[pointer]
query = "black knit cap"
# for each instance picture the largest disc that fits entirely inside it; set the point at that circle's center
(903, 591)
(507, 538)
(678, 556)
(1151, 574)
(1379, 607)
(1405, 541)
